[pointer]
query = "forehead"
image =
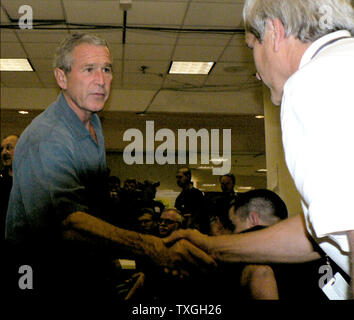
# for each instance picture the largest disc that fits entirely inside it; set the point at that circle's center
(145, 216)
(226, 179)
(86, 52)
(169, 214)
(9, 140)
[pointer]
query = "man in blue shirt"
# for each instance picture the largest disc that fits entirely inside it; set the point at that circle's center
(59, 182)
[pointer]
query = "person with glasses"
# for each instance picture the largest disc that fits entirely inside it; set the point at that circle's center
(170, 220)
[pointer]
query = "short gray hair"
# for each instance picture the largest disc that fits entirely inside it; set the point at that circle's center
(263, 207)
(63, 57)
(307, 20)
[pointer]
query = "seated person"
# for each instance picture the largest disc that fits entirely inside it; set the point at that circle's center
(146, 222)
(170, 220)
(258, 209)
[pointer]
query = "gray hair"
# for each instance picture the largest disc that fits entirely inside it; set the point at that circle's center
(307, 20)
(262, 206)
(179, 216)
(63, 57)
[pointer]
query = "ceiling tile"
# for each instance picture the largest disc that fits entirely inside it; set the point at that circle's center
(150, 37)
(156, 67)
(48, 79)
(227, 15)
(111, 36)
(3, 16)
(237, 54)
(141, 81)
(42, 65)
(230, 68)
(20, 79)
(12, 50)
(197, 53)
(242, 80)
(204, 39)
(153, 52)
(156, 13)
(238, 40)
(40, 50)
(8, 36)
(52, 10)
(93, 12)
(184, 81)
(42, 36)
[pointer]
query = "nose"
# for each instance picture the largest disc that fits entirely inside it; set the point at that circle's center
(100, 78)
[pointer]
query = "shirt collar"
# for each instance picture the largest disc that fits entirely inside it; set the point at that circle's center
(73, 120)
(311, 50)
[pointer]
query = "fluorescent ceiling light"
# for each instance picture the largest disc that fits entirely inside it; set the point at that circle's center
(262, 170)
(185, 67)
(259, 117)
(15, 65)
(23, 112)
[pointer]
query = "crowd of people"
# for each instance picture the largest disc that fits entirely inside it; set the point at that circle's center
(133, 206)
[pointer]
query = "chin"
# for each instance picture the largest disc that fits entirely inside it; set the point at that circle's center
(276, 98)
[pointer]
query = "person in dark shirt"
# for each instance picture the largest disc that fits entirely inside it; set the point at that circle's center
(191, 202)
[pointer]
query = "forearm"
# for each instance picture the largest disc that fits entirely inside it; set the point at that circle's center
(286, 241)
(80, 226)
(351, 248)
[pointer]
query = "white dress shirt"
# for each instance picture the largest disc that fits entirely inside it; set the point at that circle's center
(317, 119)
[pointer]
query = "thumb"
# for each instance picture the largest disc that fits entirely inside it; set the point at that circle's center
(174, 237)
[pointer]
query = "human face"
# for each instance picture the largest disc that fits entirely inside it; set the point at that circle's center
(88, 84)
(226, 184)
(181, 179)
(168, 223)
(8, 150)
(146, 222)
(268, 63)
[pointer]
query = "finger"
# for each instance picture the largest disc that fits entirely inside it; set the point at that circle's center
(173, 237)
(197, 256)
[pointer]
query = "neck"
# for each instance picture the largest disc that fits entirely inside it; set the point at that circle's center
(84, 115)
(296, 51)
(188, 186)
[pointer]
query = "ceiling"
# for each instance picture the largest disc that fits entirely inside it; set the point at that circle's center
(143, 42)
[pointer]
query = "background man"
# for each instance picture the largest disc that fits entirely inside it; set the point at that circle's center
(8, 145)
(303, 56)
(190, 202)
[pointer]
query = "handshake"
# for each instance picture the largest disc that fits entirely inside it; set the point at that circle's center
(183, 252)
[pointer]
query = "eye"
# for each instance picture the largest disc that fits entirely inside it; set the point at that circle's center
(107, 69)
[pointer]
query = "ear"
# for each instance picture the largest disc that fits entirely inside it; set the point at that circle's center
(278, 33)
(253, 217)
(61, 78)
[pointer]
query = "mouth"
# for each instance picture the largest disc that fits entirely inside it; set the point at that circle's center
(99, 94)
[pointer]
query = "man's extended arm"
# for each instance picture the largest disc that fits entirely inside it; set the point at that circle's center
(84, 227)
(286, 241)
